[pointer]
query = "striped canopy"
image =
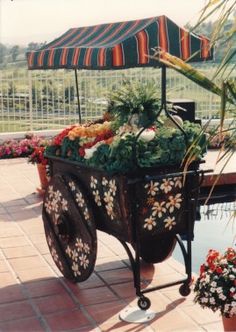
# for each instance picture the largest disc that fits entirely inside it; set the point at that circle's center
(120, 45)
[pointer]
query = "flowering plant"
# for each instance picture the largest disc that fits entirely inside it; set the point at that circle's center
(215, 288)
(132, 135)
(37, 156)
(16, 148)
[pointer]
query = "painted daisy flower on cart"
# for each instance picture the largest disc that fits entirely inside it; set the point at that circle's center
(64, 205)
(79, 199)
(54, 254)
(50, 191)
(110, 212)
(178, 182)
(68, 251)
(152, 188)
(167, 185)
(75, 269)
(86, 214)
(74, 254)
(97, 197)
(49, 240)
(174, 202)
(84, 261)
(149, 223)
(54, 205)
(93, 183)
(158, 209)
(57, 195)
(48, 206)
(79, 244)
(150, 201)
(108, 198)
(104, 181)
(86, 248)
(72, 185)
(112, 186)
(169, 222)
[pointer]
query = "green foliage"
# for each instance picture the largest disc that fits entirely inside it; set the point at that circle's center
(70, 149)
(128, 153)
(3, 52)
(135, 103)
(15, 51)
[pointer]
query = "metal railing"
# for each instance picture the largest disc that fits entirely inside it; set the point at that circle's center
(42, 100)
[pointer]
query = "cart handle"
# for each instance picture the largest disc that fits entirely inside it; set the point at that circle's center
(157, 177)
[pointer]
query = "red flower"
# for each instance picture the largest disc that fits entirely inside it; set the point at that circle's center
(59, 138)
(230, 254)
(37, 156)
(202, 269)
(212, 255)
(81, 152)
(219, 270)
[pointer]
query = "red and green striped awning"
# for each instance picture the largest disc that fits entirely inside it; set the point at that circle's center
(120, 45)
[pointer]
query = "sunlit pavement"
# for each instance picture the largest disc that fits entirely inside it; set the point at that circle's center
(35, 297)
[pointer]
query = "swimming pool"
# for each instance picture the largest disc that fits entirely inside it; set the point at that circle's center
(215, 230)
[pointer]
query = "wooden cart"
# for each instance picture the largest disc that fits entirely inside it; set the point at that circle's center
(151, 210)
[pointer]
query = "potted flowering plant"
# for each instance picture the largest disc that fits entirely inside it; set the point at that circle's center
(15, 148)
(37, 157)
(215, 287)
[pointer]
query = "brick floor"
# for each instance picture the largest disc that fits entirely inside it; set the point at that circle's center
(35, 297)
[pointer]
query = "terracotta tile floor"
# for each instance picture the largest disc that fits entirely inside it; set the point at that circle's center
(35, 297)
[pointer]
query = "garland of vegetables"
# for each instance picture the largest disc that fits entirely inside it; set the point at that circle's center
(133, 134)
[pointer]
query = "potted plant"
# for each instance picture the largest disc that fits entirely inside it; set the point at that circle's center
(16, 148)
(37, 158)
(215, 288)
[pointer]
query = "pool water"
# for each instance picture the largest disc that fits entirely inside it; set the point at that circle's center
(216, 230)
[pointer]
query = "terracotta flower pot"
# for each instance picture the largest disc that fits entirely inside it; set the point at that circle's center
(229, 323)
(43, 178)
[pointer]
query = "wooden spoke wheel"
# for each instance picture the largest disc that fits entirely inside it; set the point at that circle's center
(69, 227)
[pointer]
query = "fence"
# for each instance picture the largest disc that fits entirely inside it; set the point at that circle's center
(42, 100)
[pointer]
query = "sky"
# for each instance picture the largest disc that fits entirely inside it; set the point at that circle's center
(24, 21)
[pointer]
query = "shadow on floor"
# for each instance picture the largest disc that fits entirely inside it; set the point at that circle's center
(94, 302)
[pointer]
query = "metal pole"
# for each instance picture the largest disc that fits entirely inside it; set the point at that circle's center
(30, 101)
(163, 87)
(77, 92)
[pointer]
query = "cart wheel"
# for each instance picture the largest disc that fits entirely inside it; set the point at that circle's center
(69, 227)
(184, 290)
(144, 303)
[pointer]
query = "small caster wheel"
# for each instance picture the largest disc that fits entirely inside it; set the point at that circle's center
(144, 303)
(184, 290)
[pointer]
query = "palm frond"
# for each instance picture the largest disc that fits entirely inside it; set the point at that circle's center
(187, 70)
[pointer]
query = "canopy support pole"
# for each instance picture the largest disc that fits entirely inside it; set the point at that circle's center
(77, 92)
(163, 87)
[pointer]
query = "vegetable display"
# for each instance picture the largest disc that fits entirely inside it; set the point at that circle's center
(135, 133)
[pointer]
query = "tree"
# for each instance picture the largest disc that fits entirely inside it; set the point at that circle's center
(14, 52)
(3, 53)
(32, 46)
